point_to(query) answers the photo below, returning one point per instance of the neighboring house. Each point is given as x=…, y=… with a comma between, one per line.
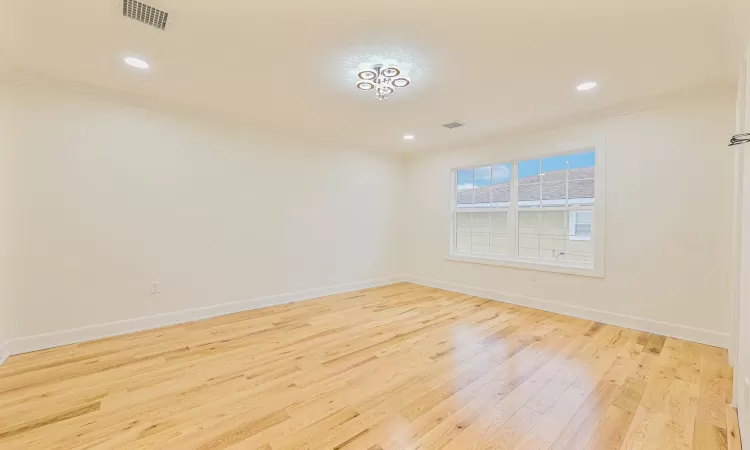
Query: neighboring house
x=554, y=217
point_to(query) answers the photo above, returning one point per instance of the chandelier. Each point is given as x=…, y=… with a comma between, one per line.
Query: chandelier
x=381, y=79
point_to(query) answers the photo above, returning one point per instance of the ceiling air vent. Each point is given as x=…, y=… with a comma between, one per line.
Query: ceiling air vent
x=452, y=125
x=144, y=13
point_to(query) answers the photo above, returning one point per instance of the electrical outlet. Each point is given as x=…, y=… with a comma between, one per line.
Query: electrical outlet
x=155, y=287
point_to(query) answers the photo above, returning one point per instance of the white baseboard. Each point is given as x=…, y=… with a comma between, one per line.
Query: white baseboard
x=744, y=422
x=93, y=332
x=637, y=323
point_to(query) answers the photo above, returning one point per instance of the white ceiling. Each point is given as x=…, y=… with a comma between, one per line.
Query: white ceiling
x=288, y=66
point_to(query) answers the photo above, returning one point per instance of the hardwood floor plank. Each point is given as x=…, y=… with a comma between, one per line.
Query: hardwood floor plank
x=655, y=344
x=394, y=367
x=733, y=431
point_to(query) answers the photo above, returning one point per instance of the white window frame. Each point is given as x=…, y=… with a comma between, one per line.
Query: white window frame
x=513, y=260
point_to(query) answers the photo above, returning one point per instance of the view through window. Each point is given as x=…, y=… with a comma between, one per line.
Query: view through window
x=536, y=210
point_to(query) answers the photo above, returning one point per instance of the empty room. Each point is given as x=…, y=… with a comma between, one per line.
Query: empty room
x=391, y=225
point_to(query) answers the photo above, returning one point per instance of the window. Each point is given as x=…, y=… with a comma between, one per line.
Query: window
x=483, y=199
x=580, y=225
x=535, y=212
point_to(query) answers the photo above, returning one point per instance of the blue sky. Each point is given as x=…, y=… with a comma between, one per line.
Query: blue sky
x=486, y=175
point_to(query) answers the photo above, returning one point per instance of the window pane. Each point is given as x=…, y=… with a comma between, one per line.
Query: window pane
x=582, y=224
x=529, y=168
x=501, y=176
x=464, y=179
x=581, y=192
x=482, y=188
x=501, y=173
x=482, y=176
x=465, y=188
x=480, y=232
x=553, y=193
x=555, y=164
x=529, y=182
x=567, y=180
x=581, y=178
x=582, y=160
x=465, y=199
x=544, y=235
x=554, y=178
x=586, y=217
x=463, y=232
x=583, y=229
x=581, y=246
x=499, y=238
x=552, y=233
x=529, y=225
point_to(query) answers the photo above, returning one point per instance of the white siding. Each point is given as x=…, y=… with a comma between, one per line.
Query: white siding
x=546, y=234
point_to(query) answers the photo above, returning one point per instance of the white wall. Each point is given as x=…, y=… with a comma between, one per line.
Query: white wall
x=741, y=313
x=6, y=133
x=669, y=179
x=109, y=198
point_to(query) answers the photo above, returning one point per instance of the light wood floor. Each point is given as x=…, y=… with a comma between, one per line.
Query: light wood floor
x=397, y=367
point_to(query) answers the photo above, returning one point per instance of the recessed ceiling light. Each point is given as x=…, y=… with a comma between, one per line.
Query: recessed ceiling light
x=409, y=137
x=136, y=62
x=587, y=86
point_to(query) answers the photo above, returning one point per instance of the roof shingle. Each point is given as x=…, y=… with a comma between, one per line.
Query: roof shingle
x=551, y=186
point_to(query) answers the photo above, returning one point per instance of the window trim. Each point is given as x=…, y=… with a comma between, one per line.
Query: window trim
x=598, y=219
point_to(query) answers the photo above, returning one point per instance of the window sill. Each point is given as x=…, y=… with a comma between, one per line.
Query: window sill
x=570, y=270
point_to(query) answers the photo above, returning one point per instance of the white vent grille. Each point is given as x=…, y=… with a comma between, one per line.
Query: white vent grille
x=452, y=125
x=144, y=13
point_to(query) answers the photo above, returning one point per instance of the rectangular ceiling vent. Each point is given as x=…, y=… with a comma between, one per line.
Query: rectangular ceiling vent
x=144, y=13
x=452, y=125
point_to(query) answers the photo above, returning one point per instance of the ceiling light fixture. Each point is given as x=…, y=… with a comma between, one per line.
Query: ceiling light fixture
x=383, y=79
x=409, y=137
x=136, y=62
x=587, y=86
